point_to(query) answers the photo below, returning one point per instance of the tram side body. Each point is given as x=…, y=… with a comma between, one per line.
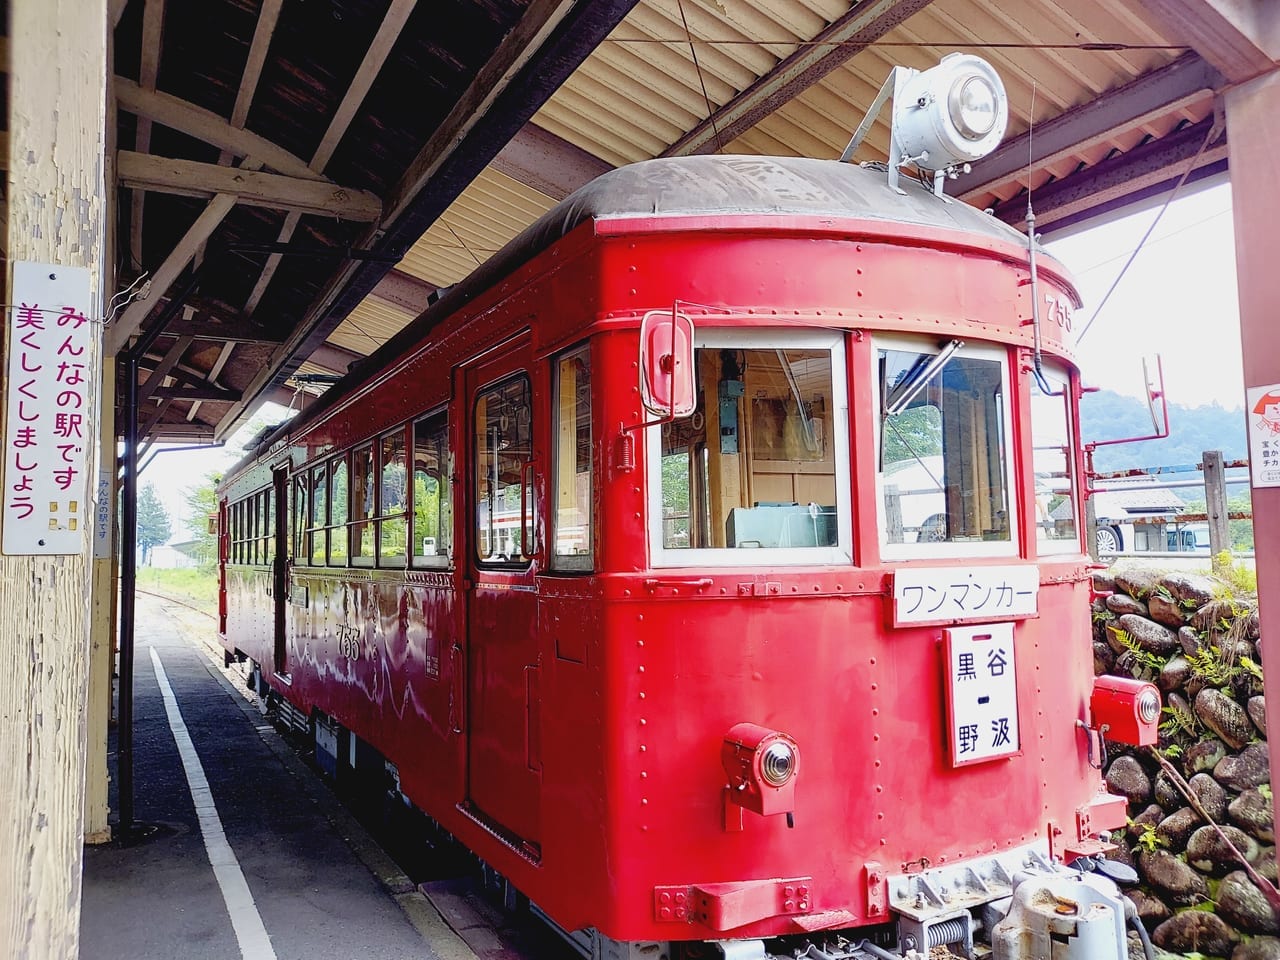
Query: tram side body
x=640, y=673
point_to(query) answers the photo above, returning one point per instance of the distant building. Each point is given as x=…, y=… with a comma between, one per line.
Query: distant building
x=174, y=556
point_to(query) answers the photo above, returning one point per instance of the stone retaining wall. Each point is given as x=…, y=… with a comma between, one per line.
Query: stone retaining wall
x=1189, y=635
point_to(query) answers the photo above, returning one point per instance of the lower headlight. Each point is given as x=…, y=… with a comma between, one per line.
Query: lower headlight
x=1149, y=706
x=778, y=765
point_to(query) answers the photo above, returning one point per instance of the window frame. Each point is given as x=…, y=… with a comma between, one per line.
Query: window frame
x=529, y=513
x=380, y=516
x=768, y=338
x=1045, y=546
x=438, y=561
x=569, y=562
x=948, y=549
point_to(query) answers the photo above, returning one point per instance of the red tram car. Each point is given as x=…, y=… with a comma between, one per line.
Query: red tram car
x=709, y=563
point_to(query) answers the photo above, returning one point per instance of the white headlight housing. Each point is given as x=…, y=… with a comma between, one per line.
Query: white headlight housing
x=951, y=114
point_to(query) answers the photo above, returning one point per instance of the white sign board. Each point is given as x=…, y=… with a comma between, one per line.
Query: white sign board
x=982, y=693
x=1262, y=408
x=51, y=390
x=947, y=594
x=102, y=517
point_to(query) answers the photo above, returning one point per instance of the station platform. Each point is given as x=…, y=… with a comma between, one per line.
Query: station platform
x=265, y=863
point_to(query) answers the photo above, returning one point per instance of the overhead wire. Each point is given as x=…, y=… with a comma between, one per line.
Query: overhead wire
x=693, y=51
x=1213, y=132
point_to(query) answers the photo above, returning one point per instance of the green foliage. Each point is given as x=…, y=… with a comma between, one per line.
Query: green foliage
x=916, y=432
x=1212, y=667
x=202, y=501
x=1148, y=839
x=1144, y=658
x=1107, y=415
x=1236, y=575
x=153, y=521
x=1180, y=724
x=197, y=587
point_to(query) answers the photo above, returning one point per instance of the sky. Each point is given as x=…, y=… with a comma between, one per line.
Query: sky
x=1177, y=299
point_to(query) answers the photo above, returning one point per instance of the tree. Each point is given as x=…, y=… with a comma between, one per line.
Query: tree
x=153, y=521
x=202, y=502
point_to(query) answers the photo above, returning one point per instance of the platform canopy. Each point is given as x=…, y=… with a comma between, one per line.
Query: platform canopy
x=296, y=178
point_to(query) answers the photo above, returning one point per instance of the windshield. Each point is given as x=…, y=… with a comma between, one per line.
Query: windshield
x=943, y=474
x=759, y=472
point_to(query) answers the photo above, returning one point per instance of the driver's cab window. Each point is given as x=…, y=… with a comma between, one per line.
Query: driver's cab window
x=943, y=476
x=759, y=474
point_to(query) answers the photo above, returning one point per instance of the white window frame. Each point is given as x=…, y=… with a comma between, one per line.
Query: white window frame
x=1046, y=546
x=842, y=552
x=964, y=548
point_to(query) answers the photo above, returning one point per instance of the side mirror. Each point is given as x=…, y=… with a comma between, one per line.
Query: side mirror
x=667, y=386
x=1157, y=405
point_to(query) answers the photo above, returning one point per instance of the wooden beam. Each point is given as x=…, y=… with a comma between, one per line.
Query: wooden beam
x=128, y=322
x=208, y=391
x=212, y=330
x=56, y=96
x=149, y=68
x=208, y=126
x=189, y=178
x=541, y=17
x=374, y=58
x=846, y=37
x=184, y=431
x=161, y=369
x=405, y=290
x=334, y=359
x=1241, y=38
x=547, y=163
x=212, y=377
x=1158, y=93
x=265, y=28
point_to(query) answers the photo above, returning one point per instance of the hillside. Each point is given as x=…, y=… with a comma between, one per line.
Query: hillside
x=1108, y=415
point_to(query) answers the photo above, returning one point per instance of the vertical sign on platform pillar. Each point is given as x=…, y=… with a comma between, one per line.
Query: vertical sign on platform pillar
x=45, y=508
x=57, y=80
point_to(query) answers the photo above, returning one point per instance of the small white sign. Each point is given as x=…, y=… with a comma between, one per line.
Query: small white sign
x=102, y=517
x=1262, y=407
x=51, y=393
x=982, y=692
x=946, y=594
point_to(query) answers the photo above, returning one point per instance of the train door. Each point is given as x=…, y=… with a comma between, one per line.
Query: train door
x=224, y=544
x=504, y=766
x=280, y=552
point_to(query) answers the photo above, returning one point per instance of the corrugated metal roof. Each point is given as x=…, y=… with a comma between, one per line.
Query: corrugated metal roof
x=672, y=62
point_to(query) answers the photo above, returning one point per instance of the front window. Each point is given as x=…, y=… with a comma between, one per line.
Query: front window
x=759, y=474
x=1055, y=506
x=943, y=471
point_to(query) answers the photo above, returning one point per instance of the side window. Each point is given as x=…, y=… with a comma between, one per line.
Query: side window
x=393, y=500
x=251, y=547
x=301, y=513
x=319, y=515
x=504, y=493
x=362, y=486
x=338, y=502
x=432, y=533
x=572, y=491
x=1053, y=463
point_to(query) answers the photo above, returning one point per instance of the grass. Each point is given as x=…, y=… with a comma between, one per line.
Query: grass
x=198, y=587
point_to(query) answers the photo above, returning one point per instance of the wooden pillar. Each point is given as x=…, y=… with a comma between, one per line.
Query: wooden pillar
x=57, y=95
x=1253, y=131
x=1215, y=499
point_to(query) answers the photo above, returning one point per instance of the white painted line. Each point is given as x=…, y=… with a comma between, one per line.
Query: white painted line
x=245, y=919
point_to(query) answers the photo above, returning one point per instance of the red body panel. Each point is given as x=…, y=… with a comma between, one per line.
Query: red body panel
x=606, y=697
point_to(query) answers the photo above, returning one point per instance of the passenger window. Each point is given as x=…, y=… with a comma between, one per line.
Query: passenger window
x=1054, y=466
x=432, y=534
x=943, y=470
x=393, y=501
x=301, y=513
x=504, y=492
x=362, y=505
x=319, y=515
x=761, y=468
x=573, y=476
x=268, y=527
x=338, y=503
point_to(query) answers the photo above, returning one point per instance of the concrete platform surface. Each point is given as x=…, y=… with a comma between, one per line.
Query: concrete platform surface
x=296, y=876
